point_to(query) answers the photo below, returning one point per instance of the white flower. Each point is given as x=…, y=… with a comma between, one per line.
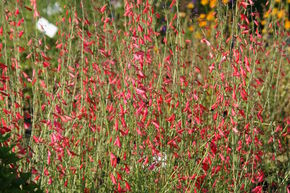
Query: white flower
x=116, y=4
x=47, y=28
x=53, y=9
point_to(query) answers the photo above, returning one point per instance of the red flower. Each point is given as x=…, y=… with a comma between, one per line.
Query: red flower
x=257, y=189
x=117, y=142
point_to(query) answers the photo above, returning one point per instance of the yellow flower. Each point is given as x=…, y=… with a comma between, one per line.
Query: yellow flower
x=213, y=3
x=281, y=14
x=210, y=16
x=197, y=35
x=190, y=5
x=182, y=14
x=156, y=49
x=201, y=19
x=202, y=23
x=204, y=2
x=274, y=11
x=263, y=22
x=264, y=31
x=201, y=16
x=208, y=31
x=225, y=1
x=287, y=25
x=190, y=28
x=277, y=1
x=266, y=14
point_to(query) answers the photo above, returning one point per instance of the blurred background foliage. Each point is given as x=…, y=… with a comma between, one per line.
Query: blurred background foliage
x=196, y=18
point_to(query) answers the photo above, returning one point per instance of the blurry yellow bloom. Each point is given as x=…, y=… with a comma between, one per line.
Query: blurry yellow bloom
x=208, y=33
x=277, y=1
x=190, y=5
x=156, y=49
x=266, y=14
x=274, y=11
x=210, y=16
x=288, y=1
x=190, y=28
x=204, y=2
x=213, y=3
x=263, y=22
x=197, y=35
x=201, y=16
x=225, y=1
x=202, y=23
x=264, y=31
x=281, y=14
x=287, y=24
x=182, y=14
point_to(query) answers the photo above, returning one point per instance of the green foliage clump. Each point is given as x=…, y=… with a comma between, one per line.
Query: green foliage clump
x=11, y=180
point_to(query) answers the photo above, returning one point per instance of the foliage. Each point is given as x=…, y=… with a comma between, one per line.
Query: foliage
x=11, y=180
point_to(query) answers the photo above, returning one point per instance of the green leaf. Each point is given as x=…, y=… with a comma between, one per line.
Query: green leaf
x=9, y=180
x=4, y=138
